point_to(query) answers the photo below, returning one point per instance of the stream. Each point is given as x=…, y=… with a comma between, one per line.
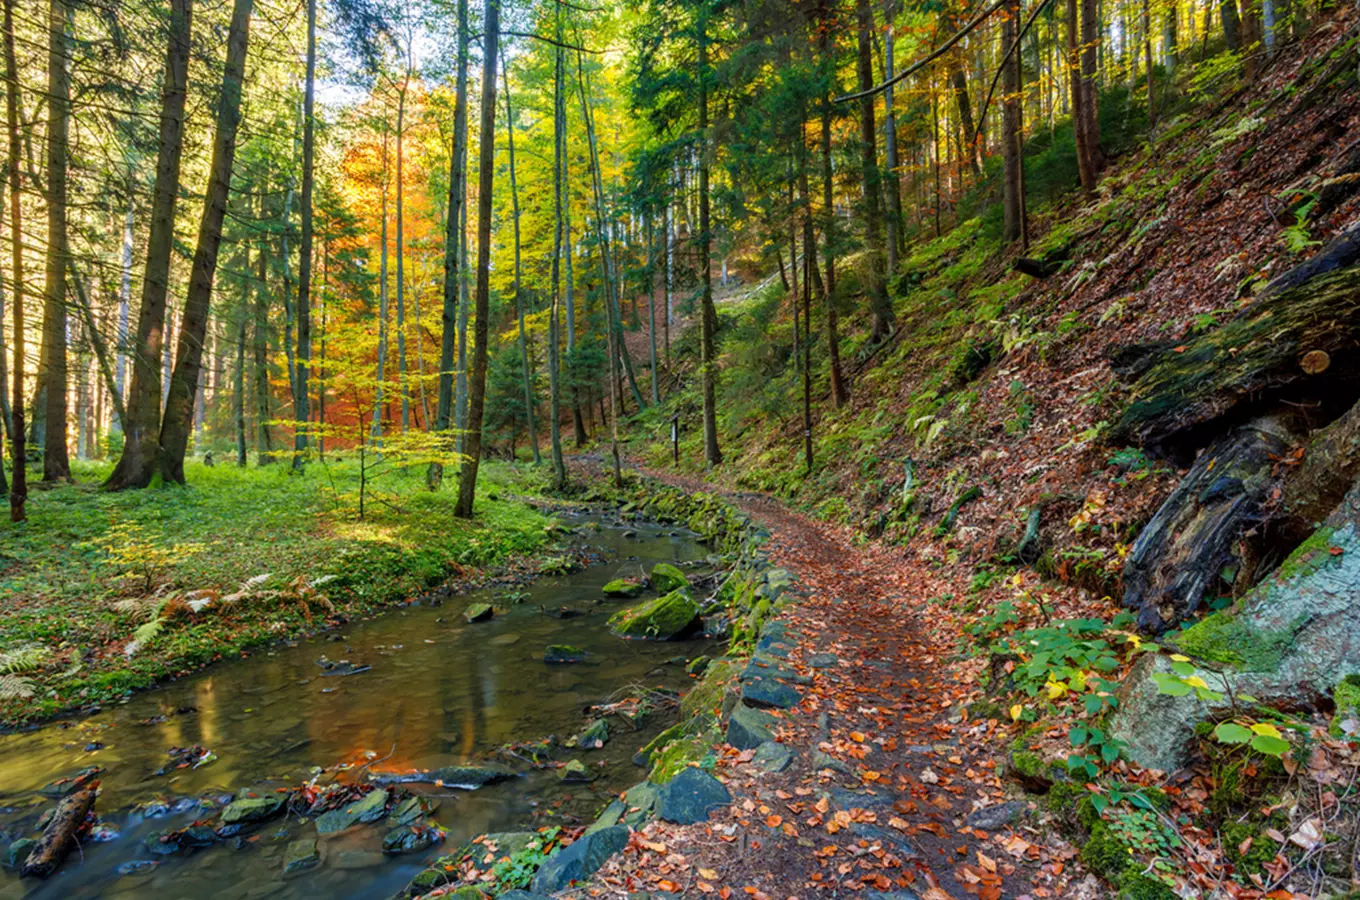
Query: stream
x=440, y=692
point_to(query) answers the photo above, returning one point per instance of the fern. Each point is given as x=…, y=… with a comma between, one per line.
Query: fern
x=23, y=658
x=148, y=632
x=16, y=687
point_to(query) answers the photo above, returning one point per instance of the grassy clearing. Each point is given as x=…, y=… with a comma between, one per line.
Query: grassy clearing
x=272, y=554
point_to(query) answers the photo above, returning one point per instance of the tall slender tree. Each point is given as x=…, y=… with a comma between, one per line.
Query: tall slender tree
x=18, y=489
x=137, y=464
x=56, y=465
x=174, y=439
x=526, y=369
x=302, y=400
x=708, y=317
x=486, y=162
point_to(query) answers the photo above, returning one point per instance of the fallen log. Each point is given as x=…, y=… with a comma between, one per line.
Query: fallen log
x=61, y=834
x=1299, y=342
x=1189, y=552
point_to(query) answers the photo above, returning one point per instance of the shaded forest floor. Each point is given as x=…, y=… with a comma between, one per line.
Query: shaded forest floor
x=108, y=593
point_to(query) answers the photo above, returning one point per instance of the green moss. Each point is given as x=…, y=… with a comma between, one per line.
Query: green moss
x=1260, y=852
x=660, y=619
x=1225, y=638
x=680, y=754
x=1307, y=557
x=667, y=578
x=703, y=701
x=1347, y=699
x=1104, y=854
x=1137, y=886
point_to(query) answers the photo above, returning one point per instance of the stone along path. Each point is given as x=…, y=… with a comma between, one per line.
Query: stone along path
x=877, y=783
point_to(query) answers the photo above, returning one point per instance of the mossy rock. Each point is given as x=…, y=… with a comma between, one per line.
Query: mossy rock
x=478, y=612
x=564, y=653
x=253, y=809
x=675, y=615
x=681, y=754
x=624, y=588
x=667, y=578
x=594, y=737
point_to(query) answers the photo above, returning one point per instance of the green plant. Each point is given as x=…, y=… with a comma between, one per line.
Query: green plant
x=1242, y=729
x=516, y=871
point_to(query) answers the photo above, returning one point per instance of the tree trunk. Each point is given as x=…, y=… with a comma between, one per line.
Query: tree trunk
x=1085, y=162
x=879, y=303
x=707, y=315
x=840, y=389
x=1091, y=46
x=124, y=302
x=554, y=369
x=18, y=489
x=56, y=466
x=894, y=193
x=401, y=255
x=970, y=135
x=194, y=323
x=1232, y=24
x=454, y=245
x=238, y=392
x=264, y=439
x=486, y=162
x=1171, y=38
x=527, y=371
x=137, y=465
x=302, y=402
x=375, y=430
x=1012, y=227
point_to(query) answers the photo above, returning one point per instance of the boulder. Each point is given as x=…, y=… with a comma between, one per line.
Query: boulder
x=369, y=808
x=1289, y=643
x=579, y=860
x=478, y=612
x=769, y=693
x=623, y=588
x=666, y=618
x=748, y=728
x=253, y=809
x=689, y=797
x=667, y=578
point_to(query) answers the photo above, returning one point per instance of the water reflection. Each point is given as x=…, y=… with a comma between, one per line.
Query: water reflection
x=440, y=692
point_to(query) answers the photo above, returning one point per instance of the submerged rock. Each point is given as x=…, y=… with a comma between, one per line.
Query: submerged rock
x=579, y=860
x=301, y=855
x=564, y=653
x=253, y=809
x=412, y=810
x=689, y=797
x=478, y=612
x=667, y=578
x=17, y=853
x=623, y=587
x=466, y=777
x=575, y=772
x=138, y=867
x=411, y=839
x=369, y=808
x=666, y=618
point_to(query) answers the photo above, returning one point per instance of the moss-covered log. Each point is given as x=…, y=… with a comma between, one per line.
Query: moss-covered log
x=1189, y=552
x=1288, y=643
x=1298, y=345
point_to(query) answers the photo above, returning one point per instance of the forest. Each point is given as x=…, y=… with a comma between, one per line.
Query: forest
x=679, y=447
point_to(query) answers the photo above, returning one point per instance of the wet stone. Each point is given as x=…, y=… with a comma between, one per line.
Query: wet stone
x=889, y=839
x=593, y=738
x=368, y=808
x=17, y=853
x=478, y=612
x=563, y=653
x=773, y=757
x=822, y=760
x=575, y=772
x=579, y=860
x=748, y=728
x=843, y=799
x=767, y=693
x=138, y=867
x=823, y=660
x=411, y=839
x=991, y=818
x=689, y=797
x=300, y=856
x=412, y=810
x=253, y=809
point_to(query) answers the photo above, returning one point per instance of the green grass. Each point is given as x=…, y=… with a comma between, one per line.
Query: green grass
x=91, y=568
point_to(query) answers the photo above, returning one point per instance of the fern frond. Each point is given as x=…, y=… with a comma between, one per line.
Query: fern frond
x=16, y=687
x=23, y=658
x=147, y=632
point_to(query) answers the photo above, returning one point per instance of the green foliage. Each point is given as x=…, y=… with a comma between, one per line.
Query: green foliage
x=516, y=871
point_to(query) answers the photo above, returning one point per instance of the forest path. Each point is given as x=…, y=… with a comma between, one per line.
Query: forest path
x=891, y=790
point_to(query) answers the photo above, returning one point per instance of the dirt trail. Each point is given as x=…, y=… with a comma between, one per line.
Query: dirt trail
x=891, y=789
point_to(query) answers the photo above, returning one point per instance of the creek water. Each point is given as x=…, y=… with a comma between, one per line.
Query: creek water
x=439, y=692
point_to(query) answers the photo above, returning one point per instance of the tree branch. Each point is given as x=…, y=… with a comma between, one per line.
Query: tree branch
x=917, y=66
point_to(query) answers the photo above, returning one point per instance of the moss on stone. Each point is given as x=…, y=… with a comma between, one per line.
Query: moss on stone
x=1307, y=557
x=1137, y=886
x=1260, y=851
x=1225, y=638
x=680, y=754
x=667, y=578
x=1104, y=854
x=660, y=619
